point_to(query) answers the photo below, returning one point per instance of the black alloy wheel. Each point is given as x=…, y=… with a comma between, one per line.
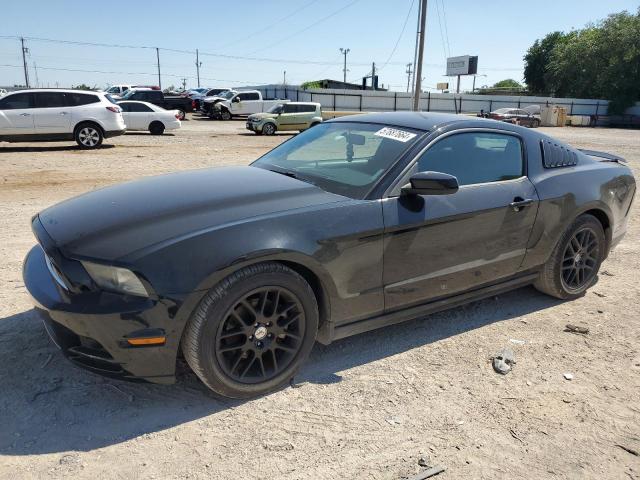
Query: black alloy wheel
x=260, y=335
x=580, y=260
x=573, y=264
x=252, y=331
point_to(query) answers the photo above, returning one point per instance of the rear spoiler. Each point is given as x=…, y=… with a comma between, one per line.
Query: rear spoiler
x=603, y=157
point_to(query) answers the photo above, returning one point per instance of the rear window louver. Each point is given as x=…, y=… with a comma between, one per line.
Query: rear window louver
x=555, y=155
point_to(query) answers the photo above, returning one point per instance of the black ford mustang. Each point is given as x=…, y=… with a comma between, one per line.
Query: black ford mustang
x=358, y=223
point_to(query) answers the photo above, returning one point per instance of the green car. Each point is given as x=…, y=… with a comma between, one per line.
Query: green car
x=285, y=117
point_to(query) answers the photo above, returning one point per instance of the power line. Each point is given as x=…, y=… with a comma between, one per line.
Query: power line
x=446, y=29
x=271, y=45
x=192, y=52
x=137, y=73
x=444, y=45
x=404, y=26
x=268, y=27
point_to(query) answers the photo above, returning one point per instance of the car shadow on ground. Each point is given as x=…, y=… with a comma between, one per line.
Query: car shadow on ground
x=48, y=406
x=148, y=134
x=49, y=148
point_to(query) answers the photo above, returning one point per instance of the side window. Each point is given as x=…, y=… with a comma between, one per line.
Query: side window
x=248, y=96
x=50, y=100
x=288, y=108
x=126, y=107
x=139, y=107
x=78, y=99
x=306, y=108
x=475, y=157
x=17, y=101
x=154, y=96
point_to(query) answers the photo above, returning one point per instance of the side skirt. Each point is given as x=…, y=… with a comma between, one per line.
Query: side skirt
x=361, y=326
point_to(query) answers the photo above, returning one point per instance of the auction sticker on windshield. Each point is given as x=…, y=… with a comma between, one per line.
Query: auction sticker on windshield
x=395, y=134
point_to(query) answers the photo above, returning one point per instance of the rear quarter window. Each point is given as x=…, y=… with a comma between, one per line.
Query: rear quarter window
x=555, y=155
x=79, y=99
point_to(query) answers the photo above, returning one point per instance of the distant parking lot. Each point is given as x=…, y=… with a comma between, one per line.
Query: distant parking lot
x=369, y=406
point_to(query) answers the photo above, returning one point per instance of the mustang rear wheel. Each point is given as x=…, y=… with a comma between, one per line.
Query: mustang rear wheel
x=252, y=332
x=574, y=263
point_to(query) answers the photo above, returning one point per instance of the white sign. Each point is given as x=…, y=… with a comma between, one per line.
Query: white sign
x=460, y=65
x=395, y=134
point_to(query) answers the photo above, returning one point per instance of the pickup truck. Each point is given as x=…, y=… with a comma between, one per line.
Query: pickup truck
x=182, y=104
x=242, y=103
x=198, y=97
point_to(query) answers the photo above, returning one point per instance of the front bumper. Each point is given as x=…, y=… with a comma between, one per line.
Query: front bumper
x=91, y=328
x=254, y=126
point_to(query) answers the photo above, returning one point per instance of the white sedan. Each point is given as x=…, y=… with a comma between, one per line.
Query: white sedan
x=147, y=116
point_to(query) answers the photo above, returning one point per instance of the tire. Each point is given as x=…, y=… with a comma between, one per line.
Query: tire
x=225, y=115
x=156, y=128
x=181, y=114
x=574, y=263
x=237, y=344
x=268, y=129
x=88, y=136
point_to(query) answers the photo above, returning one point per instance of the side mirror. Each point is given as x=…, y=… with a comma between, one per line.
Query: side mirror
x=431, y=183
x=236, y=100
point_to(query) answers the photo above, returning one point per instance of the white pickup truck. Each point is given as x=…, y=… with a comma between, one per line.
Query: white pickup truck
x=240, y=103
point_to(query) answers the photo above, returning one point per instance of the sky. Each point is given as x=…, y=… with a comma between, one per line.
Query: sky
x=301, y=37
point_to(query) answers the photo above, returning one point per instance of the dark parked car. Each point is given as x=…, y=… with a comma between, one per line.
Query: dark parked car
x=515, y=115
x=357, y=223
x=177, y=102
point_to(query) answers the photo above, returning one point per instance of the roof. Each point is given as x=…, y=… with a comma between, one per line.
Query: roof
x=417, y=120
x=58, y=90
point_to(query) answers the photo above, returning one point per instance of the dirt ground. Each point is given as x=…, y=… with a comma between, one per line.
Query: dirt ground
x=367, y=407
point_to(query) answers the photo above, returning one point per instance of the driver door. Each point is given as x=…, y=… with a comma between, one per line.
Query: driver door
x=437, y=246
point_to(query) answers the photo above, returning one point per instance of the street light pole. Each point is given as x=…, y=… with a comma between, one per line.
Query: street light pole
x=408, y=72
x=344, y=51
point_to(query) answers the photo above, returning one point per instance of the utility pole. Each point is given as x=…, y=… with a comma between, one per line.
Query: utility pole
x=418, y=69
x=184, y=84
x=198, y=65
x=24, y=62
x=35, y=69
x=284, y=79
x=344, y=51
x=409, y=72
x=158, y=60
x=373, y=76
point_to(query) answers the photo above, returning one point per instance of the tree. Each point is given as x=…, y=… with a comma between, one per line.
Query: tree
x=536, y=62
x=509, y=83
x=601, y=60
x=83, y=86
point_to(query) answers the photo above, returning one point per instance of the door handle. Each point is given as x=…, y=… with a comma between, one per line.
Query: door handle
x=25, y=114
x=64, y=113
x=519, y=203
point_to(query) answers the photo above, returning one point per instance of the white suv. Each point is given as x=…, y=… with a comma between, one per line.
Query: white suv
x=53, y=115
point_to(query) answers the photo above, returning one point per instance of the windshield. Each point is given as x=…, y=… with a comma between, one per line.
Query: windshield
x=342, y=158
x=128, y=94
x=113, y=90
x=227, y=95
x=277, y=108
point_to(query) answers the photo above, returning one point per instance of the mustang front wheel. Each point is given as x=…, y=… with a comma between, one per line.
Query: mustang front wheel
x=253, y=331
x=575, y=261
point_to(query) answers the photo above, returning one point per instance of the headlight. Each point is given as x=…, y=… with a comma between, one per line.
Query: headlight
x=115, y=279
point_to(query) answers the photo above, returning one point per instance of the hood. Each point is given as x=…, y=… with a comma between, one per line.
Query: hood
x=213, y=99
x=114, y=222
x=262, y=116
